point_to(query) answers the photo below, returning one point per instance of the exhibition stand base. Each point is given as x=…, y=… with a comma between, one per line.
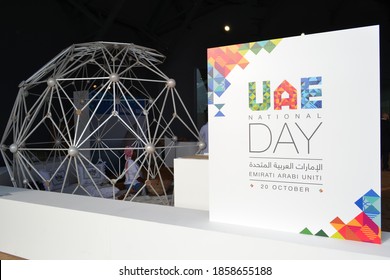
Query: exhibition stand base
x=43, y=225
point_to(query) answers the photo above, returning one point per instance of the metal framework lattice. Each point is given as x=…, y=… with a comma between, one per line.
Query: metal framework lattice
x=73, y=118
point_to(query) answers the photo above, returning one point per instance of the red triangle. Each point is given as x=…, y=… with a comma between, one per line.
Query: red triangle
x=347, y=233
x=338, y=221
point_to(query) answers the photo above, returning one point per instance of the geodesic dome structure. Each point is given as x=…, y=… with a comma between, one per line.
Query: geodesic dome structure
x=73, y=118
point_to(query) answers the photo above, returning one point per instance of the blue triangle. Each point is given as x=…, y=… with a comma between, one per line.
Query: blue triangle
x=219, y=114
x=359, y=203
x=210, y=70
x=371, y=210
x=219, y=79
x=371, y=193
x=210, y=86
x=227, y=84
x=262, y=43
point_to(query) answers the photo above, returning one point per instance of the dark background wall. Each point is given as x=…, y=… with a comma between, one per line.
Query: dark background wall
x=33, y=32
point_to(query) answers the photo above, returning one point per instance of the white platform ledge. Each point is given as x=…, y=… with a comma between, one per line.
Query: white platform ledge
x=44, y=225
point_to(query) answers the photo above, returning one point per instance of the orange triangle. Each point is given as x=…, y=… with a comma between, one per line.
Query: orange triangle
x=354, y=223
x=234, y=48
x=338, y=221
x=338, y=226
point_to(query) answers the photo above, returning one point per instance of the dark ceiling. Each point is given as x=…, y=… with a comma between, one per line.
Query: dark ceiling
x=161, y=24
x=35, y=31
x=157, y=23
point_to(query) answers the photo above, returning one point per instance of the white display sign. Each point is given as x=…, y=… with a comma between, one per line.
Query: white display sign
x=294, y=128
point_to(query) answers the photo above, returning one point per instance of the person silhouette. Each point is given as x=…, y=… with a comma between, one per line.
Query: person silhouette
x=133, y=175
x=204, y=135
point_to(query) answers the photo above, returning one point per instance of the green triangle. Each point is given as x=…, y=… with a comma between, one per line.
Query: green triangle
x=219, y=106
x=306, y=231
x=256, y=48
x=321, y=233
x=377, y=204
x=269, y=46
x=371, y=199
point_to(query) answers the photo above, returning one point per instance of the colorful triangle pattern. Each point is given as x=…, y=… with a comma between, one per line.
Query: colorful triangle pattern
x=219, y=107
x=306, y=231
x=365, y=227
x=222, y=60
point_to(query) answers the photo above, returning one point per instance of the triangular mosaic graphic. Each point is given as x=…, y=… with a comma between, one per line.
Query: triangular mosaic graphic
x=222, y=60
x=365, y=227
x=307, y=92
x=219, y=113
x=321, y=233
x=306, y=231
